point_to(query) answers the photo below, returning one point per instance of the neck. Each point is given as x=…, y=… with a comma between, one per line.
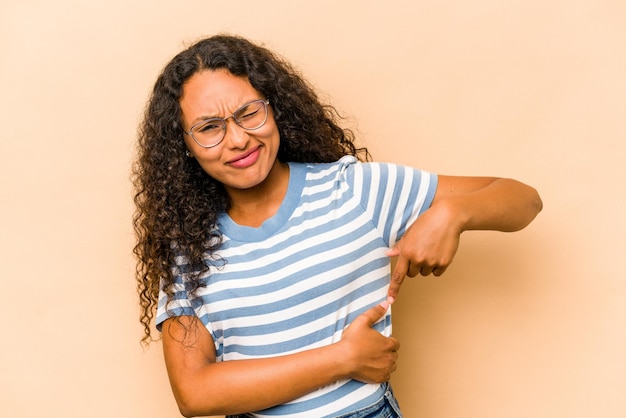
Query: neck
x=252, y=207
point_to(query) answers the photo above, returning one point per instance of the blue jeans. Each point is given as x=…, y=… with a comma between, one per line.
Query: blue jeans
x=385, y=407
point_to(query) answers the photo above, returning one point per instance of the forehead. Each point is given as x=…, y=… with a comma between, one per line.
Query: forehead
x=211, y=93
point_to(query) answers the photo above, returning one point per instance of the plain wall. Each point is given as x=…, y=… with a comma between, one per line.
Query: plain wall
x=530, y=324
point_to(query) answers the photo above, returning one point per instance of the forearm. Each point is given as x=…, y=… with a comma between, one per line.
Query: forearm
x=460, y=204
x=241, y=386
x=203, y=386
x=501, y=205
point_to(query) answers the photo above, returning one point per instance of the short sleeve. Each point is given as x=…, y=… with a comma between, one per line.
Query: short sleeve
x=392, y=195
x=178, y=304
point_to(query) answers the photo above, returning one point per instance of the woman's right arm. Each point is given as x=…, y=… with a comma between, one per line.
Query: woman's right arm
x=203, y=386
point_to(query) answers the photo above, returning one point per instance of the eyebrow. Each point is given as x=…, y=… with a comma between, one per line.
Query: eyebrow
x=205, y=118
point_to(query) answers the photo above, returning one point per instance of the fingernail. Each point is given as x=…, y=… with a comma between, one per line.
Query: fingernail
x=384, y=304
x=391, y=300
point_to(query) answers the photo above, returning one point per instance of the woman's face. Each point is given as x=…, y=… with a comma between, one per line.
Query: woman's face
x=244, y=158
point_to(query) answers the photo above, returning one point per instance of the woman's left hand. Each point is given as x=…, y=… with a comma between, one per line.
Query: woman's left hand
x=428, y=247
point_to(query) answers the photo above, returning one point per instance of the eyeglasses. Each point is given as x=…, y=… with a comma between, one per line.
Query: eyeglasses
x=210, y=132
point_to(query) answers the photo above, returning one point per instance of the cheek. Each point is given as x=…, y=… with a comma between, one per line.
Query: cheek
x=207, y=158
x=270, y=125
x=272, y=133
x=203, y=155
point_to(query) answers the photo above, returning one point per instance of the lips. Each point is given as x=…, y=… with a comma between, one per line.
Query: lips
x=246, y=159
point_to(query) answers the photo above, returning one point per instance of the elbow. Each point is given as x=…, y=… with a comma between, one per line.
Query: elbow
x=528, y=198
x=184, y=412
x=190, y=406
x=186, y=408
x=189, y=410
x=528, y=204
x=537, y=203
x=534, y=205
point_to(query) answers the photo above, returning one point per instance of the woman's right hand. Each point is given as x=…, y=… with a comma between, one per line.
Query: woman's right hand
x=371, y=356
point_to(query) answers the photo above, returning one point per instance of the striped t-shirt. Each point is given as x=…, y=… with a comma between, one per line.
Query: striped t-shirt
x=297, y=281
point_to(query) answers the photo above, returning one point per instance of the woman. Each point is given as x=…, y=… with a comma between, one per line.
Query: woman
x=265, y=242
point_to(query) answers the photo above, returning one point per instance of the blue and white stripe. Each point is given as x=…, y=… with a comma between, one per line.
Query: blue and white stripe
x=300, y=279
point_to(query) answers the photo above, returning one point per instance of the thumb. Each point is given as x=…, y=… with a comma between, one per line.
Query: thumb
x=374, y=314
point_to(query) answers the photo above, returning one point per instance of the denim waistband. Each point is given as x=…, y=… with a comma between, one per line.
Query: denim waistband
x=385, y=407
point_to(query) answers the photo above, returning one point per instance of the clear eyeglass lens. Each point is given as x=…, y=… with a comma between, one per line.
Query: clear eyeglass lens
x=251, y=116
x=209, y=133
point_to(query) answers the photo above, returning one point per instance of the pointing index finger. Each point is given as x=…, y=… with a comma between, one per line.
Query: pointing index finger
x=397, y=277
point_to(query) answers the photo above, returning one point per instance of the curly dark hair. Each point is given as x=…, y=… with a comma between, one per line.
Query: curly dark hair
x=176, y=201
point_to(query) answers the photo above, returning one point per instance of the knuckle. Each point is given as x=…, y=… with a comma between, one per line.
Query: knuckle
x=397, y=278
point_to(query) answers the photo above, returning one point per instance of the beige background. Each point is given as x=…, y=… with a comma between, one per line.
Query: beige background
x=530, y=324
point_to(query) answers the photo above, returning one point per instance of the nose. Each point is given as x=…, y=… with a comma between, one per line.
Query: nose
x=235, y=135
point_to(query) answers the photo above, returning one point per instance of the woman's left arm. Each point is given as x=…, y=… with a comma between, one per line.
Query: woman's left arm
x=460, y=204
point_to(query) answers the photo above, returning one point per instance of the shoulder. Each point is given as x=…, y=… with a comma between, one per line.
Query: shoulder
x=321, y=173
x=339, y=165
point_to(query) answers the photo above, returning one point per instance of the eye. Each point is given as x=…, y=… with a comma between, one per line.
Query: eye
x=248, y=112
x=209, y=126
